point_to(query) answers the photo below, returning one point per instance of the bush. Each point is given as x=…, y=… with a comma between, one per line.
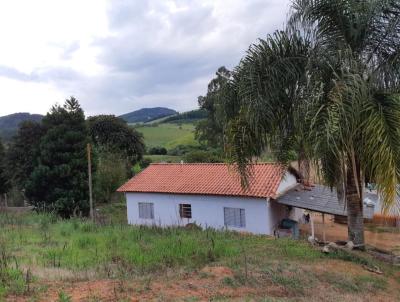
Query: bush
x=110, y=174
x=145, y=162
x=157, y=151
x=200, y=156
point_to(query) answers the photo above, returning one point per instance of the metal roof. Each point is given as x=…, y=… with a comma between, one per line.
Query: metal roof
x=318, y=199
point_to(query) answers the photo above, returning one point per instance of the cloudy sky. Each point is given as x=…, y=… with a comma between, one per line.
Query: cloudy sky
x=117, y=56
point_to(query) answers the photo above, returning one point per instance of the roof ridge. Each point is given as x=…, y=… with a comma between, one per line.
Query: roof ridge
x=211, y=164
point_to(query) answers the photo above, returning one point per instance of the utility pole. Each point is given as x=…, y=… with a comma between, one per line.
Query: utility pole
x=90, y=181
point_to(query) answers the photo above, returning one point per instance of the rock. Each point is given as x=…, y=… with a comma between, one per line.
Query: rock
x=349, y=245
x=333, y=245
x=325, y=249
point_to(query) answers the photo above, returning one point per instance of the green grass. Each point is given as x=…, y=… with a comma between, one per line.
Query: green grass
x=168, y=135
x=363, y=283
x=164, y=158
x=115, y=250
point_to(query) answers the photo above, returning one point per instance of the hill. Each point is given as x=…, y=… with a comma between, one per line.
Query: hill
x=187, y=117
x=9, y=123
x=147, y=114
x=167, y=135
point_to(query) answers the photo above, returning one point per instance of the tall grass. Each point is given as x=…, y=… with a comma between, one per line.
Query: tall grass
x=76, y=244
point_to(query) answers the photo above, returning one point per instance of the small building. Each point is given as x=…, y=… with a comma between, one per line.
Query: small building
x=210, y=195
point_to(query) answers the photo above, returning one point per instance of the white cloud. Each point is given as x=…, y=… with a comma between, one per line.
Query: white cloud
x=120, y=55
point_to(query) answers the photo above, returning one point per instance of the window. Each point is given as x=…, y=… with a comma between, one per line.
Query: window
x=146, y=210
x=185, y=210
x=234, y=217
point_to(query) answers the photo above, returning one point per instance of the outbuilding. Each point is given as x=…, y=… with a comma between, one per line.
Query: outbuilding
x=210, y=195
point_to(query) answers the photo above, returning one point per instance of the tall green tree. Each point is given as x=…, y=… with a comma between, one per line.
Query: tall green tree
x=23, y=153
x=118, y=148
x=327, y=85
x=210, y=130
x=113, y=134
x=59, y=182
x=4, y=184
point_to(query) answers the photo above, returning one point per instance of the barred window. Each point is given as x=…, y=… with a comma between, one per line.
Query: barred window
x=185, y=210
x=234, y=217
x=146, y=210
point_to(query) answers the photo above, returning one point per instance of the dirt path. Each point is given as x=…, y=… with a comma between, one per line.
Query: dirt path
x=335, y=231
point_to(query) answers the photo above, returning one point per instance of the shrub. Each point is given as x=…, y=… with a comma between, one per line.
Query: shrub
x=157, y=151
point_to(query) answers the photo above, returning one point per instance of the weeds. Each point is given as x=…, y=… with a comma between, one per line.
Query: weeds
x=121, y=252
x=63, y=297
x=355, y=284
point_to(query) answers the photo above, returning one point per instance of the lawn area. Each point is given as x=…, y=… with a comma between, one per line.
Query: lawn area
x=168, y=135
x=43, y=258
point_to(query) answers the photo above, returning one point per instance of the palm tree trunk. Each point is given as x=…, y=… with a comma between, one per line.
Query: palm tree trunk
x=355, y=217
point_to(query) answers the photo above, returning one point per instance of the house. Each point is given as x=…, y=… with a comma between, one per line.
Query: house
x=210, y=195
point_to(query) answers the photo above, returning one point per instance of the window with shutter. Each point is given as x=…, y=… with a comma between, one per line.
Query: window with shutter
x=146, y=210
x=235, y=217
x=185, y=210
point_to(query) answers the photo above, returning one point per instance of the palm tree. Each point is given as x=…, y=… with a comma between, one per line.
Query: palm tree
x=327, y=87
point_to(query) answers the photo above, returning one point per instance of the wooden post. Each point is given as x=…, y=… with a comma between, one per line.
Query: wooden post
x=323, y=227
x=90, y=181
x=312, y=226
x=5, y=200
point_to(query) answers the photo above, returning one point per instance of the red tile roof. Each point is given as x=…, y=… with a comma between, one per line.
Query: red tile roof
x=206, y=179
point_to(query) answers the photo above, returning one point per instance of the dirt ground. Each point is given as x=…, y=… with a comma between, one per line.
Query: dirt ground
x=209, y=284
x=335, y=231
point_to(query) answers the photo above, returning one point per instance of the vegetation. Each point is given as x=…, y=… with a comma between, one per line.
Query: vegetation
x=203, y=156
x=3, y=179
x=167, y=135
x=187, y=117
x=328, y=87
x=111, y=172
x=210, y=130
x=157, y=151
x=112, y=134
x=163, y=158
x=145, y=115
x=59, y=181
x=23, y=154
x=77, y=249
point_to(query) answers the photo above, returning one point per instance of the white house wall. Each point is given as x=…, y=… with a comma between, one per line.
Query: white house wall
x=207, y=211
x=262, y=215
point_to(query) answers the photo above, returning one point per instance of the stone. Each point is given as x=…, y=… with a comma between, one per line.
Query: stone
x=349, y=245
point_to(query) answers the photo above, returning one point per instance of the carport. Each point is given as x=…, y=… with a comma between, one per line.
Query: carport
x=323, y=200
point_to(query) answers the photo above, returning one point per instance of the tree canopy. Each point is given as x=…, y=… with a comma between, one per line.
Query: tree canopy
x=3, y=178
x=210, y=130
x=23, y=153
x=328, y=87
x=114, y=134
x=59, y=181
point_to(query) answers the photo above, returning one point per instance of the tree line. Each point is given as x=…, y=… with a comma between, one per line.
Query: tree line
x=46, y=161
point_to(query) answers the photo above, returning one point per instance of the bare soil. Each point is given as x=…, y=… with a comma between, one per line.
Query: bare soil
x=211, y=284
x=389, y=241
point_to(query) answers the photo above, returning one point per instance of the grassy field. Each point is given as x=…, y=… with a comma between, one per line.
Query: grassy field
x=43, y=258
x=168, y=135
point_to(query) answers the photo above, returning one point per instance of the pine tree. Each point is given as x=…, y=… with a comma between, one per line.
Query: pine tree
x=59, y=182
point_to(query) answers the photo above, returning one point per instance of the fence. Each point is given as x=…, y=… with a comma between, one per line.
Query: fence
x=393, y=221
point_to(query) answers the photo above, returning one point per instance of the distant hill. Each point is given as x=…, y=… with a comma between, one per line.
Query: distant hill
x=187, y=117
x=147, y=114
x=9, y=123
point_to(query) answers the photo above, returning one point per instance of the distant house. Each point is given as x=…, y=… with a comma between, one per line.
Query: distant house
x=210, y=195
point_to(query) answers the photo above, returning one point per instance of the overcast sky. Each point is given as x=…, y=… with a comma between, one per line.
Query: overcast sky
x=117, y=56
